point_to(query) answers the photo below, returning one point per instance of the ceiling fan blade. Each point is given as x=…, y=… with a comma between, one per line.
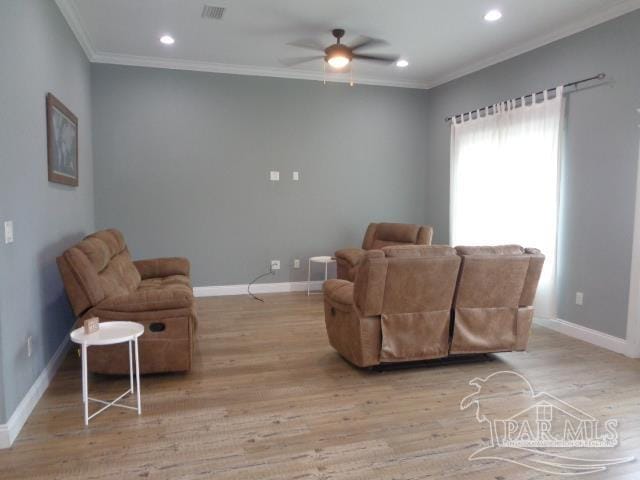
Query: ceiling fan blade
x=291, y=62
x=388, y=59
x=308, y=45
x=366, y=42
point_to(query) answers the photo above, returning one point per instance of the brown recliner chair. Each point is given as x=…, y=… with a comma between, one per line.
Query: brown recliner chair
x=102, y=281
x=403, y=301
x=379, y=235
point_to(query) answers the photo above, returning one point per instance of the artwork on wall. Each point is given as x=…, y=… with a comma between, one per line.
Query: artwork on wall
x=62, y=143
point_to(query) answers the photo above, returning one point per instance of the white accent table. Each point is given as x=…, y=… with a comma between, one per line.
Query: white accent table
x=110, y=333
x=326, y=260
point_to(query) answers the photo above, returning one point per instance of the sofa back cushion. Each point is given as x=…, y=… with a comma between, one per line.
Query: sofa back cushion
x=418, y=295
x=380, y=235
x=534, y=270
x=486, y=302
x=97, y=268
x=419, y=278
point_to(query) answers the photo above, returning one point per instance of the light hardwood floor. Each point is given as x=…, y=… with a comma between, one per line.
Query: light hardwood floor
x=269, y=399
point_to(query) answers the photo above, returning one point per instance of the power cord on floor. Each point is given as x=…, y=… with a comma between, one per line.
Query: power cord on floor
x=270, y=272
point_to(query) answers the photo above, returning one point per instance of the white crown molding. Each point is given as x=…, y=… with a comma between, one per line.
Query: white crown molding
x=594, y=337
x=279, y=287
x=9, y=431
x=178, y=64
x=617, y=10
x=72, y=16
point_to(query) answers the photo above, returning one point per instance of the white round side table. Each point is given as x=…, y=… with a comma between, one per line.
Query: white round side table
x=110, y=333
x=324, y=259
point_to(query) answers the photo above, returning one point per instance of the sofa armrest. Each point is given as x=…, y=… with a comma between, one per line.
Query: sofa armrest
x=147, y=300
x=350, y=255
x=163, y=267
x=339, y=293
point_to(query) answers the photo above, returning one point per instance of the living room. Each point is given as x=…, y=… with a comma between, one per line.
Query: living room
x=337, y=231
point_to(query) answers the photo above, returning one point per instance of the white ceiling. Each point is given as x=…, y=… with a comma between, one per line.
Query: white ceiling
x=442, y=39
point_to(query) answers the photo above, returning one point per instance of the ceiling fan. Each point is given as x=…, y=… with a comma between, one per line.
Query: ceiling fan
x=339, y=55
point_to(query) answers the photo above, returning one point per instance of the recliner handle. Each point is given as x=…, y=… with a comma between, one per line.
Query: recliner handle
x=157, y=327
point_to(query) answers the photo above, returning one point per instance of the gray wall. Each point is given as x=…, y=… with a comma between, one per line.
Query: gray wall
x=38, y=54
x=599, y=172
x=183, y=158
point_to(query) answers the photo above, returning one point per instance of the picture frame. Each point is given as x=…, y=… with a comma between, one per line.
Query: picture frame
x=62, y=143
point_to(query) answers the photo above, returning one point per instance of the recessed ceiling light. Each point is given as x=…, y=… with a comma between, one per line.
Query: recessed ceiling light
x=402, y=63
x=493, y=15
x=167, y=40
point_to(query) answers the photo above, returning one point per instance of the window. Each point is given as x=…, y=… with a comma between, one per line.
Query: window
x=504, y=182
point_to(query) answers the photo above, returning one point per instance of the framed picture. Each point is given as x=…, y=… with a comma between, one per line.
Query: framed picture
x=62, y=143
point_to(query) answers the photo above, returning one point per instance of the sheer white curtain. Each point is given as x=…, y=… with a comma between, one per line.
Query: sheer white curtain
x=504, y=182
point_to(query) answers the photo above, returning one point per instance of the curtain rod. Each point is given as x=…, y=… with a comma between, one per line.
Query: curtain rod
x=599, y=76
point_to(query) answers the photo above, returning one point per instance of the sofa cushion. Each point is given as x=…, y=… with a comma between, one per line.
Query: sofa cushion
x=149, y=299
x=163, y=267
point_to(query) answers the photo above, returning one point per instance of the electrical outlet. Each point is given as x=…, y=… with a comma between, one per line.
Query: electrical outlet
x=296, y=263
x=579, y=298
x=296, y=176
x=275, y=264
x=8, y=231
x=29, y=346
x=274, y=176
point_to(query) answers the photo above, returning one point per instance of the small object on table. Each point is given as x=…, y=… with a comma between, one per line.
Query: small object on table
x=110, y=333
x=91, y=325
x=323, y=259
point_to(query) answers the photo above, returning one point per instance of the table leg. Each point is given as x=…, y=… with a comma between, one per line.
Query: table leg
x=85, y=386
x=138, y=377
x=308, y=276
x=131, y=367
x=326, y=265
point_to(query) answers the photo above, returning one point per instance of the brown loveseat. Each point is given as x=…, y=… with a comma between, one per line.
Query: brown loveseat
x=101, y=280
x=422, y=302
x=380, y=235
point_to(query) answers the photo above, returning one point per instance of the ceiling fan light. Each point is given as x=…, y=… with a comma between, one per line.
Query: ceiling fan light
x=338, y=61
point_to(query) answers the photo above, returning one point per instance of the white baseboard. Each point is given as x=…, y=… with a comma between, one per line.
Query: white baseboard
x=280, y=287
x=9, y=431
x=600, y=339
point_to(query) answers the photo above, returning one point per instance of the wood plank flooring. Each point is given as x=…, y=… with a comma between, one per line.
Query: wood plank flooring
x=269, y=399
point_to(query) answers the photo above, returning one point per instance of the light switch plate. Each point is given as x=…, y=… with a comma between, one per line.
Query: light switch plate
x=275, y=264
x=274, y=176
x=8, y=231
x=296, y=263
x=296, y=176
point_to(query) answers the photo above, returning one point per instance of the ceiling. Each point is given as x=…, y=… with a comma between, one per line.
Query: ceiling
x=442, y=39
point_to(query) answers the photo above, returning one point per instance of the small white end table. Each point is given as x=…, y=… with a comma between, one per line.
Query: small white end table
x=110, y=333
x=324, y=259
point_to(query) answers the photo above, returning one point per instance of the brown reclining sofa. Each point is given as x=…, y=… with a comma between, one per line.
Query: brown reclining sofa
x=102, y=281
x=379, y=235
x=412, y=303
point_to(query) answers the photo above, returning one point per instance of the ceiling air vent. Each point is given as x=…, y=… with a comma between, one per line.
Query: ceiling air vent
x=210, y=11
